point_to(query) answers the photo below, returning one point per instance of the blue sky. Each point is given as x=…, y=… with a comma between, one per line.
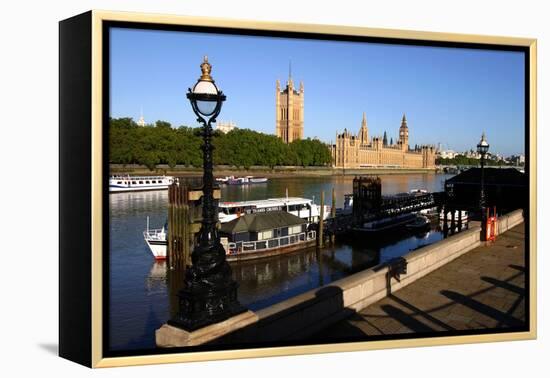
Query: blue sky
x=449, y=95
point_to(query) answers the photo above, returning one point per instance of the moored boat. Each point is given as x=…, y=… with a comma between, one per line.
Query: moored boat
x=245, y=180
x=420, y=223
x=257, y=180
x=385, y=224
x=157, y=241
x=303, y=208
x=139, y=183
x=259, y=235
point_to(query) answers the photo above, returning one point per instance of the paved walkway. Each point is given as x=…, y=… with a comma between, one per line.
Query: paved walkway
x=485, y=288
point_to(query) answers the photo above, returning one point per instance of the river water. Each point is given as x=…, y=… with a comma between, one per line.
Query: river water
x=140, y=299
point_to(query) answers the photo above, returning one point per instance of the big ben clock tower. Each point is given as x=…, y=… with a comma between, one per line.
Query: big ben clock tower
x=404, y=134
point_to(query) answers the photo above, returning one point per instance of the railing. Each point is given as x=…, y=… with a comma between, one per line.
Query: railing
x=261, y=245
x=155, y=234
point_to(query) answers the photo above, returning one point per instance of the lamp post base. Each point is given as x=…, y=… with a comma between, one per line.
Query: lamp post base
x=209, y=294
x=202, y=306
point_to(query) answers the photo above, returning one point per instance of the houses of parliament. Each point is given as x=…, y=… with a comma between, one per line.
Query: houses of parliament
x=360, y=151
x=350, y=150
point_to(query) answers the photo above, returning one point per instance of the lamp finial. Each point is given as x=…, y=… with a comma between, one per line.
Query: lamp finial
x=206, y=68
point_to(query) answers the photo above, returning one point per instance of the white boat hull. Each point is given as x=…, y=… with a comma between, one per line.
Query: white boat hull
x=158, y=249
x=116, y=189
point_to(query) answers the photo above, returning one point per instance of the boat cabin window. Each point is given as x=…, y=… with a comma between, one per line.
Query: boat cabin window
x=154, y=181
x=147, y=182
x=119, y=182
x=263, y=235
x=294, y=230
x=141, y=182
x=133, y=182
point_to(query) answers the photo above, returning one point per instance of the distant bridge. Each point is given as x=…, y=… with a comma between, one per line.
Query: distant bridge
x=461, y=168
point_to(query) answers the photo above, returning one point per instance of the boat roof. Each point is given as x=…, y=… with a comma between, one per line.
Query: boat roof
x=267, y=202
x=257, y=222
x=127, y=177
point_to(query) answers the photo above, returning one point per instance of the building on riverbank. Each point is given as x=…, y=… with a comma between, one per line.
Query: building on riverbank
x=225, y=126
x=360, y=151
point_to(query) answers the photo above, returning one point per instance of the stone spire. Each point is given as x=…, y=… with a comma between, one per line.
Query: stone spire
x=404, y=133
x=364, y=131
x=290, y=82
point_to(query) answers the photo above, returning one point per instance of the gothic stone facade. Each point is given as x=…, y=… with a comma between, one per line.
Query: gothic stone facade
x=360, y=151
x=289, y=109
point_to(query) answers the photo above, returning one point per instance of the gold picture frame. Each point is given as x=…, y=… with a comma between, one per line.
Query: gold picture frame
x=90, y=327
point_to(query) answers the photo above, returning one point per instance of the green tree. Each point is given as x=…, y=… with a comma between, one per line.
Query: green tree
x=163, y=144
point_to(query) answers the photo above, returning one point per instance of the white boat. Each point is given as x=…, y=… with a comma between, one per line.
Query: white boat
x=245, y=180
x=301, y=207
x=257, y=180
x=139, y=183
x=224, y=180
x=157, y=241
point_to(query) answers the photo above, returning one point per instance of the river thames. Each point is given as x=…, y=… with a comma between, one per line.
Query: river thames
x=140, y=297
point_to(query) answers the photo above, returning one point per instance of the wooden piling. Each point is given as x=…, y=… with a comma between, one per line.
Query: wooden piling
x=321, y=221
x=179, y=245
x=333, y=216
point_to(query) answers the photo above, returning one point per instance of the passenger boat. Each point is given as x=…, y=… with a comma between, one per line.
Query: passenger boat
x=420, y=223
x=386, y=224
x=139, y=183
x=246, y=180
x=301, y=207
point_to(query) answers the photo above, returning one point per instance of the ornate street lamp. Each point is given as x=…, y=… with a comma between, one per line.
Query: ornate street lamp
x=209, y=294
x=482, y=149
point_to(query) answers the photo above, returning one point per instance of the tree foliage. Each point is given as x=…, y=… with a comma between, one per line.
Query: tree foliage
x=162, y=144
x=469, y=161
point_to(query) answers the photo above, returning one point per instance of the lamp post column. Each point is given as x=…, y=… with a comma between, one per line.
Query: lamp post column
x=209, y=294
x=482, y=149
